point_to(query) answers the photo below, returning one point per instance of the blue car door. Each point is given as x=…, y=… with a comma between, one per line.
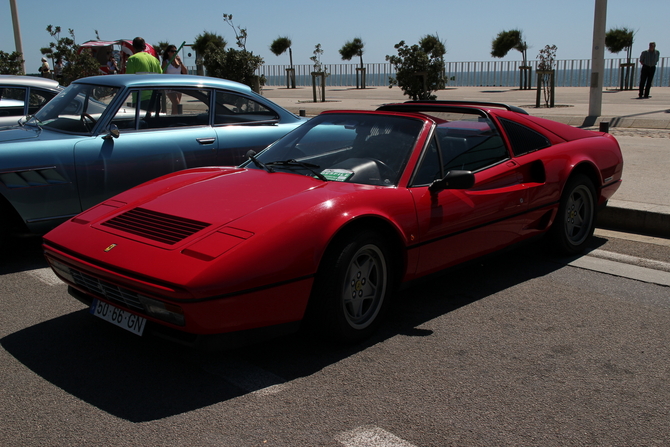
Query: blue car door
x=243, y=124
x=155, y=138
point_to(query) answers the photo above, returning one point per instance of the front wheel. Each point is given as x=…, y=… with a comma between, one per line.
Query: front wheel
x=576, y=217
x=352, y=288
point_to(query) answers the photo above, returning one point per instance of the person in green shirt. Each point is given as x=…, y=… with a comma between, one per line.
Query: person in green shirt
x=142, y=62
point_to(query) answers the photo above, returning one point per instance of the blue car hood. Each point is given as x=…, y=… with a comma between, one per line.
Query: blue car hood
x=17, y=133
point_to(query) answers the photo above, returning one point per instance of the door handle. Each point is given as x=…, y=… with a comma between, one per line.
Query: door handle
x=206, y=140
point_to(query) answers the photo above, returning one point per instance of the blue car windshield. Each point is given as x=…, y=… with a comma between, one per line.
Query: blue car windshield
x=76, y=109
x=371, y=149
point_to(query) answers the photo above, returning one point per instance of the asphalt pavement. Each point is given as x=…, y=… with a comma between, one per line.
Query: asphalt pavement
x=642, y=127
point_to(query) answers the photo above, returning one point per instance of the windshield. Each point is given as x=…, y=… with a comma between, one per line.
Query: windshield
x=76, y=109
x=365, y=148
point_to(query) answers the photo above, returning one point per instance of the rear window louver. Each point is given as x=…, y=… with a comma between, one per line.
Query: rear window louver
x=156, y=226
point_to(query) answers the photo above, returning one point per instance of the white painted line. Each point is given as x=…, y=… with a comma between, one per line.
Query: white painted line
x=633, y=237
x=371, y=437
x=248, y=377
x=623, y=270
x=45, y=275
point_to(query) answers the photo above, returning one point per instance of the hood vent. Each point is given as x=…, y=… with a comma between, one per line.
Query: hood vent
x=155, y=226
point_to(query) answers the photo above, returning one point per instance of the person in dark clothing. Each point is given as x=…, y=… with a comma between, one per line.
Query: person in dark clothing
x=649, y=58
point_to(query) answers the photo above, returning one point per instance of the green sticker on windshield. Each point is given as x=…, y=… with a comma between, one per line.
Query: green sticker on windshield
x=337, y=175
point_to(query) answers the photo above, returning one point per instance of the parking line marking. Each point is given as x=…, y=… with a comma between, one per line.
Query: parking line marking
x=45, y=275
x=368, y=436
x=623, y=270
x=627, y=259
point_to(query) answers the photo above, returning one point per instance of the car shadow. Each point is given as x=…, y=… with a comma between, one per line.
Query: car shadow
x=21, y=253
x=146, y=379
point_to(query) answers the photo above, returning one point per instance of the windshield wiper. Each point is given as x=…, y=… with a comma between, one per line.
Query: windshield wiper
x=299, y=164
x=252, y=156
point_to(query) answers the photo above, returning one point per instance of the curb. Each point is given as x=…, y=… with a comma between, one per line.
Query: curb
x=611, y=121
x=639, y=221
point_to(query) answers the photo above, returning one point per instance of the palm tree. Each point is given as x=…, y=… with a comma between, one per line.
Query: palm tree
x=279, y=47
x=204, y=44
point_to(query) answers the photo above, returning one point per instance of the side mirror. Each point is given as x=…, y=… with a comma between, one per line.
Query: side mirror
x=113, y=132
x=454, y=180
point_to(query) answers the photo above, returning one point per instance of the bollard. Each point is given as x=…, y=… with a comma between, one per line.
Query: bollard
x=604, y=126
x=301, y=112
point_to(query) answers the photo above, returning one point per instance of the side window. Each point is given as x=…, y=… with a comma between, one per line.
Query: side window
x=231, y=108
x=38, y=98
x=125, y=116
x=12, y=101
x=429, y=168
x=470, y=145
x=523, y=139
x=163, y=109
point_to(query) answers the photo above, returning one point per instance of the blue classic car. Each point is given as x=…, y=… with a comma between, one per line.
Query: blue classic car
x=105, y=134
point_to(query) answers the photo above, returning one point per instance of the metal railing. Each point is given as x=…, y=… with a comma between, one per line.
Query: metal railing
x=569, y=73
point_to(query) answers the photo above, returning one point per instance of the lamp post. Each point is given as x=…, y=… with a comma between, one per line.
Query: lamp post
x=598, y=59
x=17, y=33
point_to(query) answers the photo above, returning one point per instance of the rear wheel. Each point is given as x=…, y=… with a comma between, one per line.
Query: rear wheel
x=353, y=288
x=576, y=217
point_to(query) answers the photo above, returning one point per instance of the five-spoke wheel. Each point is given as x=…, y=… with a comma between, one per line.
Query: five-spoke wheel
x=576, y=217
x=352, y=287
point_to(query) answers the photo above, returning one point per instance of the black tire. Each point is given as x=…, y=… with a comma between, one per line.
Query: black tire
x=352, y=288
x=576, y=218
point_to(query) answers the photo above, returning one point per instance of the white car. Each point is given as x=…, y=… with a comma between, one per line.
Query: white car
x=24, y=95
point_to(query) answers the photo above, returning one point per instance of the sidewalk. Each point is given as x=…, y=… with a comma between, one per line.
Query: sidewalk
x=642, y=127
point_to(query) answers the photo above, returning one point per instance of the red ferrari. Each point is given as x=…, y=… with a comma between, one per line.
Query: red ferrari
x=324, y=225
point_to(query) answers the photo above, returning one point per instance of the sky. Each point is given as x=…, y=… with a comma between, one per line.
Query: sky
x=466, y=27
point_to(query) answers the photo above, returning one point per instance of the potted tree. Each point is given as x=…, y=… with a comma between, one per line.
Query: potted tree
x=545, y=75
x=513, y=39
x=319, y=74
x=351, y=49
x=279, y=47
x=617, y=40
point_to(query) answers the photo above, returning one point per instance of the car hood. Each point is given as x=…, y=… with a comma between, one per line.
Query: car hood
x=203, y=199
x=17, y=133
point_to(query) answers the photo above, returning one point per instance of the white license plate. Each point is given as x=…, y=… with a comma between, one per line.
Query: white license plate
x=119, y=317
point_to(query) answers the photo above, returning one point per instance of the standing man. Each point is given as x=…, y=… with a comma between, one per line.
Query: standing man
x=648, y=59
x=142, y=62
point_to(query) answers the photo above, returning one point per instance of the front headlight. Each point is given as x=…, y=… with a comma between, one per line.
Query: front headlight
x=163, y=311
x=61, y=270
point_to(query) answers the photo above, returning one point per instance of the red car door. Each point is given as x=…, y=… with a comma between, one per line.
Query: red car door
x=459, y=224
